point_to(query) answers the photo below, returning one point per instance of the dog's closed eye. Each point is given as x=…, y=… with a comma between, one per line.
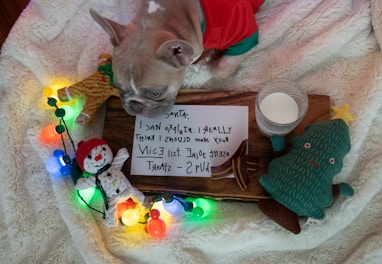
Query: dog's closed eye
x=155, y=93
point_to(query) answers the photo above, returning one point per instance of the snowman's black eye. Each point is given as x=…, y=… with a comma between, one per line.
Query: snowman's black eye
x=108, y=175
x=89, y=156
x=104, y=149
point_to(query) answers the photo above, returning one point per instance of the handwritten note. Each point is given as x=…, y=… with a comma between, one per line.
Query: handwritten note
x=188, y=140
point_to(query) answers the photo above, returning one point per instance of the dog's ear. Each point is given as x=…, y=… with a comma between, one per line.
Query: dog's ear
x=176, y=52
x=117, y=32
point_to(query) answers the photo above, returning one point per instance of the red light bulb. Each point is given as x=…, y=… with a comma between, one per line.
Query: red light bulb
x=156, y=228
x=154, y=213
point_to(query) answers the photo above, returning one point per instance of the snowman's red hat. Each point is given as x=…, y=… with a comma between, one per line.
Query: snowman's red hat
x=84, y=148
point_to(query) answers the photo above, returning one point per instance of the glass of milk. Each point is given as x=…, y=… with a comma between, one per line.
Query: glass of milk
x=280, y=105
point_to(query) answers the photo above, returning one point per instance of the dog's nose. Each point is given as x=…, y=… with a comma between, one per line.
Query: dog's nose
x=137, y=107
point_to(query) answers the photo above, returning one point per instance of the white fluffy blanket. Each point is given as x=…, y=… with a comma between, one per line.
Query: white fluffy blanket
x=330, y=47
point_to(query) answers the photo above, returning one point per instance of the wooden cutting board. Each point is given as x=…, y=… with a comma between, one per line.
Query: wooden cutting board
x=119, y=132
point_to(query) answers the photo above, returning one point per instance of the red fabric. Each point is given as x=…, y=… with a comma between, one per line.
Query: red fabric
x=228, y=21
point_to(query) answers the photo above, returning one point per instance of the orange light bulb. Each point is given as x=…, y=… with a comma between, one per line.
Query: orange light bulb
x=49, y=135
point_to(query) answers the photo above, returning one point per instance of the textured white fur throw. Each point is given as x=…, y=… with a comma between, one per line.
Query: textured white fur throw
x=329, y=47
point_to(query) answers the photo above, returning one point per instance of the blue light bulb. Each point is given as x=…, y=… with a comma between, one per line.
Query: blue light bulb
x=58, y=153
x=174, y=207
x=53, y=166
x=56, y=165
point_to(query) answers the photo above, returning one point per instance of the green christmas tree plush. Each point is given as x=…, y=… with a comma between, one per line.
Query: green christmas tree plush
x=300, y=182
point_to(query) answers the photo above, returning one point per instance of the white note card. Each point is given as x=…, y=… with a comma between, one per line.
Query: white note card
x=188, y=140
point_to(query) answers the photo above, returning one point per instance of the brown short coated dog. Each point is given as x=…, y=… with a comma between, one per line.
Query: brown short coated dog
x=151, y=52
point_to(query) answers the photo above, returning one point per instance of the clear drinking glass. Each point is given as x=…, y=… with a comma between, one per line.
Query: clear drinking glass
x=280, y=106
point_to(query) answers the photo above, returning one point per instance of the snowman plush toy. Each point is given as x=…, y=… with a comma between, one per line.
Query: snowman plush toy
x=96, y=157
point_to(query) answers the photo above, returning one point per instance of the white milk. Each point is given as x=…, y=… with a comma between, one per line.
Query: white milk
x=279, y=108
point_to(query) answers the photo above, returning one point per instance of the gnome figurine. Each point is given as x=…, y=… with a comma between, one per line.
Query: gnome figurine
x=95, y=157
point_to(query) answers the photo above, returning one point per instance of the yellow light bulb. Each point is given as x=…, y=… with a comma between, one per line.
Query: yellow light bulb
x=130, y=217
x=55, y=84
x=47, y=92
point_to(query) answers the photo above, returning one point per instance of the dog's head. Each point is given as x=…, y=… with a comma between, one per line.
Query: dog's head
x=148, y=66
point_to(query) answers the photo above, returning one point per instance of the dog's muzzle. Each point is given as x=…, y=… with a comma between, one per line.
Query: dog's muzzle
x=135, y=105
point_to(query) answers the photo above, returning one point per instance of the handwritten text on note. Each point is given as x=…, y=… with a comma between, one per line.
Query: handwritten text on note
x=188, y=140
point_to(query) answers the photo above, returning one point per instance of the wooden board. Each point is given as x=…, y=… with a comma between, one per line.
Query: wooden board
x=119, y=132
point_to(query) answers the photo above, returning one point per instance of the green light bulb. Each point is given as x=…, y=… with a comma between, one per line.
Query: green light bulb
x=86, y=194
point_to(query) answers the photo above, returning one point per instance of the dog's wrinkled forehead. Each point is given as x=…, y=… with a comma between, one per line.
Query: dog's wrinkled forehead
x=129, y=61
x=135, y=69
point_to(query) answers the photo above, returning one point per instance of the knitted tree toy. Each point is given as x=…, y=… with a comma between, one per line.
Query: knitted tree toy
x=95, y=157
x=300, y=182
x=95, y=89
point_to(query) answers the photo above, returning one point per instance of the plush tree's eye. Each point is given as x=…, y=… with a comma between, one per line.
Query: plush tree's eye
x=332, y=161
x=307, y=145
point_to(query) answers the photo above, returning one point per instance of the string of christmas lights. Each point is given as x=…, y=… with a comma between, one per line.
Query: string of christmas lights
x=156, y=218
